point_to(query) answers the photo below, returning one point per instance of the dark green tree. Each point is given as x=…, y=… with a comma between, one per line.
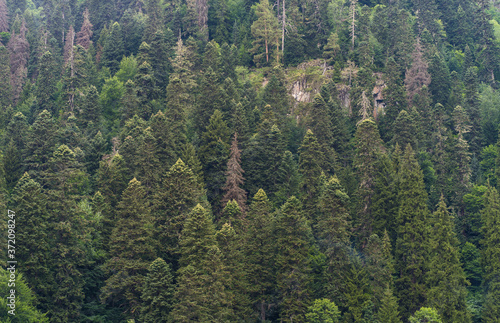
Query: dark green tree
x=157, y=293
x=113, y=50
x=293, y=236
x=46, y=84
x=131, y=251
x=446, y=278
x=412, y=243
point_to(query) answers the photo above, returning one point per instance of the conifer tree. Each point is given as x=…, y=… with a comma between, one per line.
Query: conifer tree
x=83, y=37
x=113, y=49
x=234, y=177
x=411, y=252
x=176, y=112
x=34, y=250
x=214, y=153
x=157, y=293
x=131, y=250
x=266, y=33
x=230, y=243
x=471, y=105
x=417, y=76
x=90, y=110
x=462, y=156
x=321, y=125
x=259, y=255
x=112, y=178
x=178, y=192
x=166, y=151
x=46, y=83
x=288, y=177
x=310, y=166
x=201, y=292
x=369, y=151
x=323, y=311
x=388, y=311
x=490, y=255
x=19, y=53
x=6, y=89
x=148, y=170
x=404, y=130
x=210, y=99
x=446, y=277
x=188, y=154
x=4, y=17
x=425, y=315
x=293, y=236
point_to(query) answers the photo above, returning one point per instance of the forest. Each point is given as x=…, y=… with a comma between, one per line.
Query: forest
x=302, y=161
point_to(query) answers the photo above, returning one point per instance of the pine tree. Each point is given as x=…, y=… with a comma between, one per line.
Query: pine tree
x=178, y=192
x=259, y=255
x=265, y=30
x=234, y=177
x=411, y=250
x=201, y=294
x=446, y=277
x=490, y=254
x=131, y=250
x=293, y=236
x=157, y=293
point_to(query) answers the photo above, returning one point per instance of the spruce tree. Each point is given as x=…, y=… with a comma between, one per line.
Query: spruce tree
x=369, y=150
x=46, y=83
x=178, y=192
x=446, y=278
x=311, y=161
x=234, y=177
x=83, y=37
x=6, y=90
x=113, y=49
x=321, y=125
x=388, y=311
x=412, y=241
x=201, y=292
x=490, y=255
x=259, y=255
x=131, y=251
x=293, y=236
x=157, y=293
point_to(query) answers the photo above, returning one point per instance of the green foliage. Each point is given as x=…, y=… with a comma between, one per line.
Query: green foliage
x=323, y=311
x=425, y=314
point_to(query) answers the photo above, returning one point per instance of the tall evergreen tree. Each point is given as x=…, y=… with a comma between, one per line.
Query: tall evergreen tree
x=131, y=251
x=259, y=255
x=46, y=83
x=293, y=236
x=113, y=49
x=6, y=90
x=412, y=242
x=157, y=293
x=490, y=255
x=201, y=294
x=234, y=177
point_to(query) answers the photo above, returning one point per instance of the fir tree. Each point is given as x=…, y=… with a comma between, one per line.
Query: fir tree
x=46, y=83
x=234, y=177
x=6, y=90
x=201, y=294
x=490, y=255
x=388, y=311
x=293, y=236
x=259, y=255
x=321, y=126
x=157, y=293
x=19, y=54
x=411, y=250
x=417, y=76
x=130, y=249
x=369, y=150
x=310, y=167
x=446, y=277
x=113, y=49
x=84, y=36
x=4, y=18
x=178, y=192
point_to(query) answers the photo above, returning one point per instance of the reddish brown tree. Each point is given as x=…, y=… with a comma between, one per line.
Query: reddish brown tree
x=85, y=34
x=4, y=17
x=19, y=54
x=234, y=178
x=417, y=76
